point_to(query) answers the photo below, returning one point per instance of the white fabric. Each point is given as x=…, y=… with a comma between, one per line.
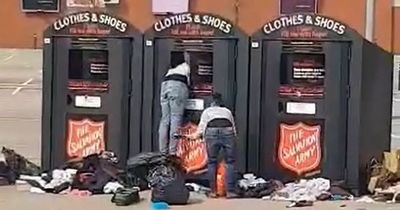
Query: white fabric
x=249, y=180
x=36, y=190
x=60, y=177
x=215, y=112
x=112, y=187
x=365, y=199
x=181, y=69
x=304, y=190
x=3, y=158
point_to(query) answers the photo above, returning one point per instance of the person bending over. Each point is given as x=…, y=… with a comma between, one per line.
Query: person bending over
x=217, y=126
x=173, y=97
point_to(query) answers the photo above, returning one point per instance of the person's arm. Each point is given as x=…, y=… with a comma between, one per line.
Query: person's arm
x=232, y=119
x=201, y=127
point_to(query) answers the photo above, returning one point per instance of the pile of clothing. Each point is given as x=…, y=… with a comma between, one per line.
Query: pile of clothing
x=94, y=174
x=12, y=165
x=311, y=190
x=253, y=187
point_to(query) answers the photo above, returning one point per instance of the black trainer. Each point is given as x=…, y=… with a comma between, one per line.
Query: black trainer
x=126, y=197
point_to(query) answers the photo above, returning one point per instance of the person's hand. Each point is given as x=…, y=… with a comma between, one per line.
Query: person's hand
x=192, y=136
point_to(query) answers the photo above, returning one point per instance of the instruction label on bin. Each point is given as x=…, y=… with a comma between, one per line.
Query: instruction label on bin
x=88, y=101
x=300, y=108
x=299, y=147
x=85, y=137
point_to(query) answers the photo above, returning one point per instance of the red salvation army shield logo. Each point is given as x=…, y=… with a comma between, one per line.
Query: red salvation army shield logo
x=85, y=137
x=299, y=147
x=193, y=153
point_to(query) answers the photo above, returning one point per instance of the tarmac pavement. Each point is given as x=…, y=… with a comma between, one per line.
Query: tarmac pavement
x=20, y=111
x=10, y=199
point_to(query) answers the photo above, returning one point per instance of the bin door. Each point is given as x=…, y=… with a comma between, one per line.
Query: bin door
x=91, y=97
x=224, y=66
x=336, y=106
x=296, y=101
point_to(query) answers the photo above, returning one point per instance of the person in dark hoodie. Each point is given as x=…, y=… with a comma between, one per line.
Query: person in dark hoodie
x=173, y=97
x=217, y=126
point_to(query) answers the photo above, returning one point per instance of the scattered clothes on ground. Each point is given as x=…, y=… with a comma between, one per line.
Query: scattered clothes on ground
x=91, y=173
x=95, y=173
x=80, y=193
x=193, y=187
x=112, y=187
x=304, y=190
x=300, y=204
x=365, y=199
x=60, y=181
x=36, y=190
x=19, y=164
x=253, y=187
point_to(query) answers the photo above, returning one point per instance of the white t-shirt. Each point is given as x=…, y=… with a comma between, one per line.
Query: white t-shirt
x=181, y=69
x=215, y=112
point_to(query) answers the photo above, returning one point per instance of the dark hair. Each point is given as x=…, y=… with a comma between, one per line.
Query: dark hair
x=178, y=58
x=217, y=99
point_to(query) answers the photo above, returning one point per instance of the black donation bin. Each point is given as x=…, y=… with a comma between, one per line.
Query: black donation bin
x=218, y=61
x=92, y=65
x=320, y=100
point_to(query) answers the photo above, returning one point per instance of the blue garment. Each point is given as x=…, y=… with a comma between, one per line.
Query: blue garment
x=218, y=139
x=174, y=95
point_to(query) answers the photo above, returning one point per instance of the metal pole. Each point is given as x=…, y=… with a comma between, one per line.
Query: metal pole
x=369, y=20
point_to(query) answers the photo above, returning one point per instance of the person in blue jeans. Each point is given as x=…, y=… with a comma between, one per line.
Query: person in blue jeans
x=173, y=96
x=217, y=126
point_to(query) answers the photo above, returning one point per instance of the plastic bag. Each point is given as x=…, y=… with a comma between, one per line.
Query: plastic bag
x=168, y=185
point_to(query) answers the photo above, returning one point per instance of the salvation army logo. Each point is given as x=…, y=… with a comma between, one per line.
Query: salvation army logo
x=85, y=137
x=193, y=153
x=299, y=147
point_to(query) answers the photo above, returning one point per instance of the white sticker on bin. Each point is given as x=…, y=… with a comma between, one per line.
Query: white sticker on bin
x=195, y=104
x=88, y=101
x=300, y=108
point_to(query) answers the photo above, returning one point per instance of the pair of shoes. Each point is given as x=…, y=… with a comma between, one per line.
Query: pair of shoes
x=231, y=195
x=126, y=197
x=212, y=195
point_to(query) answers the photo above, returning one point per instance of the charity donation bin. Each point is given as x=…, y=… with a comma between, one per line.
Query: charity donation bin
x=320, y=100
x=218, y=53
x=92, y=64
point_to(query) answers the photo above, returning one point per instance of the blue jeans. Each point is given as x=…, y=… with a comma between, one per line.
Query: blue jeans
x=174, y=95
x=218, y=139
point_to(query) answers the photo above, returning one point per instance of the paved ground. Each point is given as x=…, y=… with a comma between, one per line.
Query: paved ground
x=20, y=107
x=10, y=199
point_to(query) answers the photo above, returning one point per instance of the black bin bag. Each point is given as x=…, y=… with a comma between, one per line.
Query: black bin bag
x=168, y=185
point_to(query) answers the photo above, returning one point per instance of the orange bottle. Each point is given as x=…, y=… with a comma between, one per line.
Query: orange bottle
x=221, y=179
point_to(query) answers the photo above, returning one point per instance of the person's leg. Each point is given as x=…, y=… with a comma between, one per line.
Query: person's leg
x=229, y=156
x=163, y=130
x=213, y=147
x=177, y=105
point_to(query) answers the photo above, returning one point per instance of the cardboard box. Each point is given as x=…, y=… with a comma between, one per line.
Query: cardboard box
x=392, y=161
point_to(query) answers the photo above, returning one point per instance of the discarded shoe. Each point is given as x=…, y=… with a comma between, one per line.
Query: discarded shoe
x=126, y=197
